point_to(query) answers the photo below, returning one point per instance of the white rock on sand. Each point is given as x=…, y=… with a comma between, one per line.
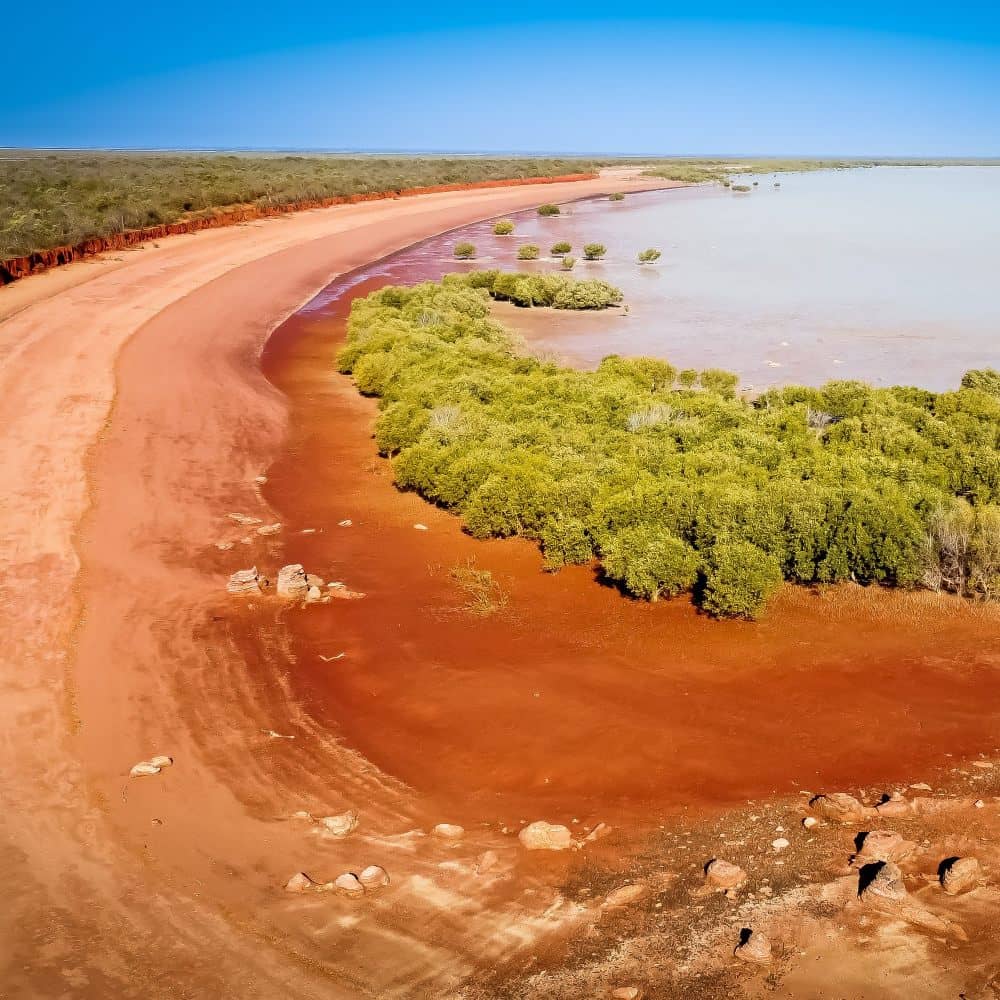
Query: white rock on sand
x=299, y=882
x=839, y=807
x=542, y=836
x=374, y=877
x=627, y=993
x=724, y=875
x=883, y=845
x=755, y=947
x=961, y=875
x=149, y=767
x=292, y=581
x=488, y=860
x=244, y=581
x=887, y=884
x=245, y=519
x=348, y=884
x=340, y=826
x=269, y=529
x=448, y=831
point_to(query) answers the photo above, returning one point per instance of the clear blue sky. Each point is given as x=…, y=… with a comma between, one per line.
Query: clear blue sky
x=754, y=77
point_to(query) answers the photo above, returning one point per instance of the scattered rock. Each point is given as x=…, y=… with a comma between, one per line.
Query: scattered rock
x=261, y=480
x=244, y=581
x=343, y=593
x=245, y=519
x=922, y=786
x=346, y=523
x=960, y=875
x=881, y=880
x=144, y=768
x=348, y=884
x=374, y=877
x=299, y=882
x=314, y=594
x=625, y=895
x=161, y=761
x=882, y=845
x=780, y=844
x=488, y=860
x=420, y=527
x=292, y=581
x=809, y=822
x=627, y=993
x=223, y=546
x=753, y=947
x=448, y=831
x=724, y=875
x=542, y=836
x=340, y=826
x=601, y=830
x=984, y=764
x=838, y=807
x=896, y=806
x=269, y=529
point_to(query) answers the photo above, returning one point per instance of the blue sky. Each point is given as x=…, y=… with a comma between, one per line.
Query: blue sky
x=755, y=77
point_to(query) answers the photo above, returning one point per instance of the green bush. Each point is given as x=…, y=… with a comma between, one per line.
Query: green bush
x=983, y=379
x=503, y=228
x=594, y=251
x=548, y=210
x=560, y=249
x=741, y=188
x=650, y=562
x=665, y=474
x=739, y=580
x=617, y=196
x=528, y=252
x=465, y=251
x=568, y=263
x=650, y=256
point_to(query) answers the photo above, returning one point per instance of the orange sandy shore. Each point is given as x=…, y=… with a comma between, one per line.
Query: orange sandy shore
x=135, y=416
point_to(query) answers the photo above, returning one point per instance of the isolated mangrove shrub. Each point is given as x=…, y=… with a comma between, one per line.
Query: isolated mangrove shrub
x=560, y=249
x=672, y=480
x=528, y=252
x=650, y=256
x=568, y=263
x=741, y=188
x=503, y=228
x=594, y=251
x=739, y=579
x=650, y=562
x=465, y=251
x=616, y=196
x=548, y=210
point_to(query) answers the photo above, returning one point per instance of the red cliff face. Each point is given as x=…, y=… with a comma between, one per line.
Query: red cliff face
x=40, y=260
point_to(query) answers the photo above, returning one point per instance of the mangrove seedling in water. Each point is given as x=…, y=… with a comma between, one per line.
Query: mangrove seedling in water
x=503, y=228
x=617, y=196
x=649, y=256
x=560, y=249
x=594, y=251
x=465, y=251
x=548, y=209
x=528, y=252
x=568, y=263
x=741, y=188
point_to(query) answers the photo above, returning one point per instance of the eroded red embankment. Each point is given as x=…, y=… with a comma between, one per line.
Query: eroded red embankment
x=571, y=700
x=41, y=260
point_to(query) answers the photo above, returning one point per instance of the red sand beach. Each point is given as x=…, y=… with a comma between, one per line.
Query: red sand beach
x=137, y=417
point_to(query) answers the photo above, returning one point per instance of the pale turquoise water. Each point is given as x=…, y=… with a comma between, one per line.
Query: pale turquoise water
x=890, y=275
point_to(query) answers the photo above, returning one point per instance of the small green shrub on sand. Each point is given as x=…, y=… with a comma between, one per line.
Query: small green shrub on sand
x=548, y=210
x=594, y=251
x=649, y=256
x=528, y=252
x=465, y=251
x=560, y=249
x=617, y=196
x=739, y=580
x=568, y=263
x=503, y=228
x=650, y=563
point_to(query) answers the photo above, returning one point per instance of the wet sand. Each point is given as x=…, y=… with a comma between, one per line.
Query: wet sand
x=136, y=418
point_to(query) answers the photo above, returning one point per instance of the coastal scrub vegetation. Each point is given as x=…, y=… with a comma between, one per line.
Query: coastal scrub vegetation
x=465, y=251
x=52, y=199
x=528, y=252
x=672, y=481
x=549, y=209
x=650, y=256
x=503, y=228
x=560, y=249
x=594, y=251
x=568, y=263
x=553, y=290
